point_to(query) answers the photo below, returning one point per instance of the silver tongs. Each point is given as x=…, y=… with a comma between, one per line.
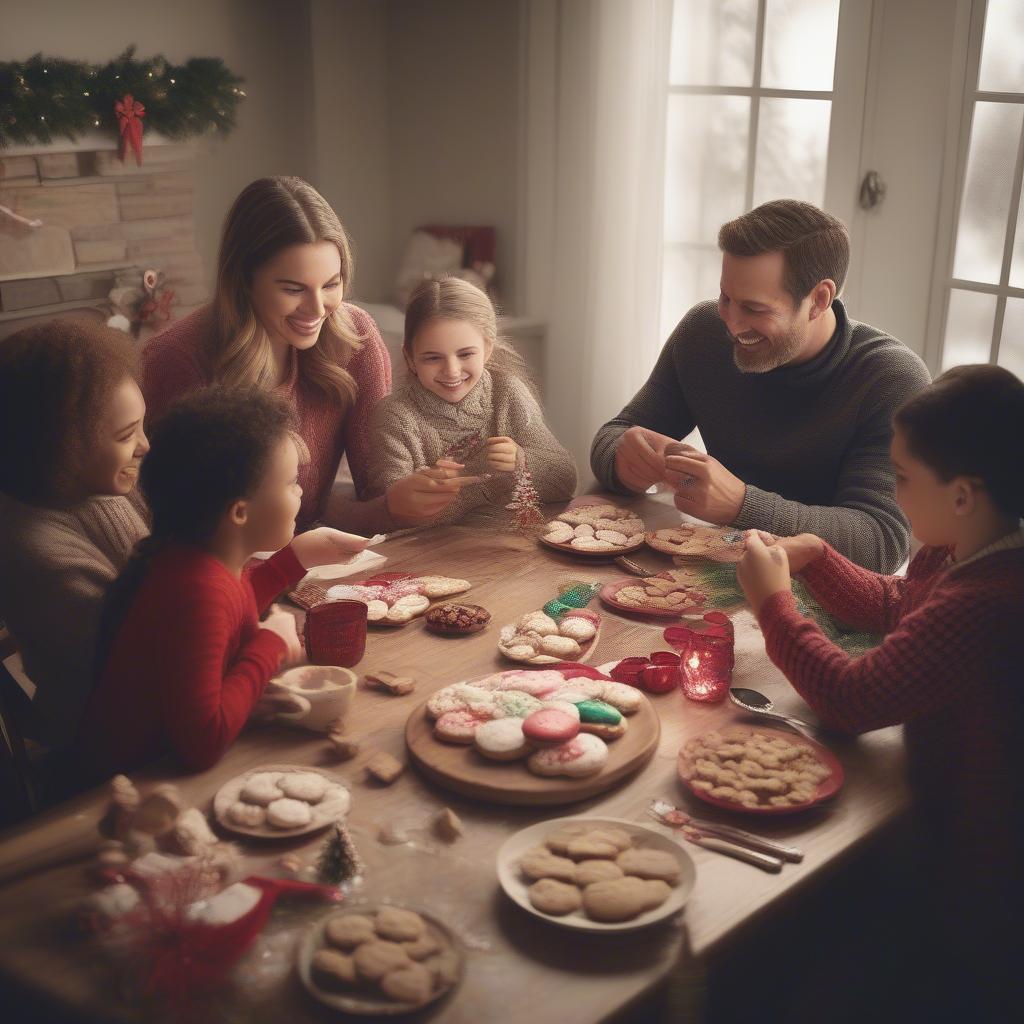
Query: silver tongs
x=735, y=842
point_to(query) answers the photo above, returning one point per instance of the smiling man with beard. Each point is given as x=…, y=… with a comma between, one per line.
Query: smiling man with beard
x=792, y=398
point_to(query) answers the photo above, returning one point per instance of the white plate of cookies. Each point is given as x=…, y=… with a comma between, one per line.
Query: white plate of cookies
x=379, y=960
x=596, y=874
x=595, y=530
x=279, y=801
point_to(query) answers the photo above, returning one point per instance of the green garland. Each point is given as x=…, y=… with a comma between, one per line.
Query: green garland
x=45, y=98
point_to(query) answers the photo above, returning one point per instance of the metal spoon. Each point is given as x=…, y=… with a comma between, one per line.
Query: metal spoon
x=758, y=704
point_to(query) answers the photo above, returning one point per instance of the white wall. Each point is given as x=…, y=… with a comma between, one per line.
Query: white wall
x=265, y=41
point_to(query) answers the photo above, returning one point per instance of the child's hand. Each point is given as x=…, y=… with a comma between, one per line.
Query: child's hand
x=762, y=571
x=420, y=496
x=282, y=623
x=801, y=550
x=502, y=453
x=325, y=546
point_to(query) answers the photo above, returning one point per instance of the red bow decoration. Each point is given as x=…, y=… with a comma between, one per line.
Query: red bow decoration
x=130, y=113
x=157, y=309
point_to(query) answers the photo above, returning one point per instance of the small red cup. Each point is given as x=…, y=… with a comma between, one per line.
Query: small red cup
x=336, y=633
x=629, y=671
x=660, y=678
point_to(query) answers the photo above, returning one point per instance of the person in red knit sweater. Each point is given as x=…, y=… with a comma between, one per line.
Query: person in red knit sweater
x=278, y=322
x=184, y=657
x=951, y=665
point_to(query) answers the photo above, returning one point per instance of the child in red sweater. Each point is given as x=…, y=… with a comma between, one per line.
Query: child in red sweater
x=951, y=666
x=184, y=654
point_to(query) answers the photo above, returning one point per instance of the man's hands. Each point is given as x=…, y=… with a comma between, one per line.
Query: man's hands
x=420, y=496
x=639, y=458
x=704, y=488
x=326, y=546
x=762, y=571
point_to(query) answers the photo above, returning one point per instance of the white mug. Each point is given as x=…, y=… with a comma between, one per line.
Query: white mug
x=319, y=694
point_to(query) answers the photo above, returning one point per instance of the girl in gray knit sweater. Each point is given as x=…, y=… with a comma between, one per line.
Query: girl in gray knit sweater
x=465, y=418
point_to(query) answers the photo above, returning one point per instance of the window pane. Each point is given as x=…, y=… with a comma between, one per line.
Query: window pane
x=1011, y=343
x=689, y=276
x=706, y=169
x=800, y=44
x=713, y=42
x=1002, y=69
x=985, y=209
x=968, y=328
x=792, y=150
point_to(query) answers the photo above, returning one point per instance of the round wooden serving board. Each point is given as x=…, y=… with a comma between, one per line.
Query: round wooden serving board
x=460, y=768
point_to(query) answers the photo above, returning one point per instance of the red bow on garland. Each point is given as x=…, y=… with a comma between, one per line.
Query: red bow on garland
x=130, y=114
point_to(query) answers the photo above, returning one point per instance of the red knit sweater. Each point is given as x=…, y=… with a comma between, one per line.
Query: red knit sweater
x=188, y=662
x=951, y=667
x=173, y=363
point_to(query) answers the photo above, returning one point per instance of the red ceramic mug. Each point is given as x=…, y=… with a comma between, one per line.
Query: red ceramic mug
x=336, y=633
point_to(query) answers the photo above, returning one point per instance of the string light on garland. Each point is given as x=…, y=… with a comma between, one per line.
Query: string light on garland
x=42, y=99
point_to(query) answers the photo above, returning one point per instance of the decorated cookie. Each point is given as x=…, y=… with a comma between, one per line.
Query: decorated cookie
x=581, y=756
x=460, y=697
x=550, y=727
x=563, y=705
x=346, y=931
x=515, y=704
x=501, y=739
x=590, y=871
x=552, y=897
x=376, y=611
x=540, y=862
x=622, y=696
x=262, y=788
x=601, y=719
x=380, y=957
x=577, y=628
x=537, y=622
x=286, y=813
x=442, y=586
x=561, y=647
x=247, y=815
x=412, y=984
x=649, y=864
x=538, y=684
x=460, y=726
x=399, y=925
x=307, y=786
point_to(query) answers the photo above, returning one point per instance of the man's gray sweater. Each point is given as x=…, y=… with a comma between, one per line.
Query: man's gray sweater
x=811, y=442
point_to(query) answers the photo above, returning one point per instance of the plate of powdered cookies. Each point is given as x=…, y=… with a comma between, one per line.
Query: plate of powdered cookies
x=594, y=530
x=596, y=874
x=281, y=801
x=379, y=960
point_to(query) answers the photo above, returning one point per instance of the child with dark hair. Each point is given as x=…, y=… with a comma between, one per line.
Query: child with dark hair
x=951, y=666
x=71, y=441
x=184, y=655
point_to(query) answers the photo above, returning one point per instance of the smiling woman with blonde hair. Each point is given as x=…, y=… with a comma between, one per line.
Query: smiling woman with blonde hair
x=279, y=321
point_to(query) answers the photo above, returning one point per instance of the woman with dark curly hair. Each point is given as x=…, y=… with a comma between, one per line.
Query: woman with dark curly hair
x=184, y=656
x=71, y=441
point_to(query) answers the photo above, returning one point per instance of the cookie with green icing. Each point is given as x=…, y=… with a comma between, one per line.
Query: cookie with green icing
x=601, y=719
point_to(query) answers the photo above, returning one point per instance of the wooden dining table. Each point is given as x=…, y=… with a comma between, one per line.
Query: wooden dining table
x=517, y=967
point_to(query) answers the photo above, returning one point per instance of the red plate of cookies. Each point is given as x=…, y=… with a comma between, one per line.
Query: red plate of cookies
x=657, y=596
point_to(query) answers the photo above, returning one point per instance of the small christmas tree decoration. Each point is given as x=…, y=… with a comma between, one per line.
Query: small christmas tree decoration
x=339, y=861
x=525, y=504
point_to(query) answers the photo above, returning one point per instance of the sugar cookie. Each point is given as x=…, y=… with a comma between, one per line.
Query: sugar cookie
x=412, y=984
x=501, y=739
x=618, y=899
x=649, y=864
x=333, y=969
x=261, y=788
x=346, y=931
x=622, y=696
x=247, y=815
x=590, y=871
x=540, y=863
x=550, y=727
x=459, y=726
x=306, y=786
x=286, y=813
x=552, y=897
x=558, y=841
x=380, y=957
x=399, y=925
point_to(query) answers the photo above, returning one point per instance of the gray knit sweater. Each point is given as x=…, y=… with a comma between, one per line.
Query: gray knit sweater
x=55, y=568
x=412, y=428
x=811, y=442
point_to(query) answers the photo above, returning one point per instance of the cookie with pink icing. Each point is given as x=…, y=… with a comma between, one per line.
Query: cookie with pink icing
x=502, y=739
x=550, y=727
x=538, y=684
x=460, y=726
x=583, y=755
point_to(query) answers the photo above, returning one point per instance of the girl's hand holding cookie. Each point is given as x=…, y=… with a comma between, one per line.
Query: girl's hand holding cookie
x=326, y=546
x=502, y=453
x=762, y=571
x=801, y=550
x=282, y=623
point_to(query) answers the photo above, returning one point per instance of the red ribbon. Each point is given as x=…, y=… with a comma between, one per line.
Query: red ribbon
x=130, y=113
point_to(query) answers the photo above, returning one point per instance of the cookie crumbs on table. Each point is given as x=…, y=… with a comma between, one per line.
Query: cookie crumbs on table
x=447, y=825
x=384, y=768
x=390, y=682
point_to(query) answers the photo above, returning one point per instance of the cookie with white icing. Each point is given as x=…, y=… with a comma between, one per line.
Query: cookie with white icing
x=287, y=813
x=581, y=756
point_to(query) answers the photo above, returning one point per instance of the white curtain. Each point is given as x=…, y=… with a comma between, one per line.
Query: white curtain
x=594, y=122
